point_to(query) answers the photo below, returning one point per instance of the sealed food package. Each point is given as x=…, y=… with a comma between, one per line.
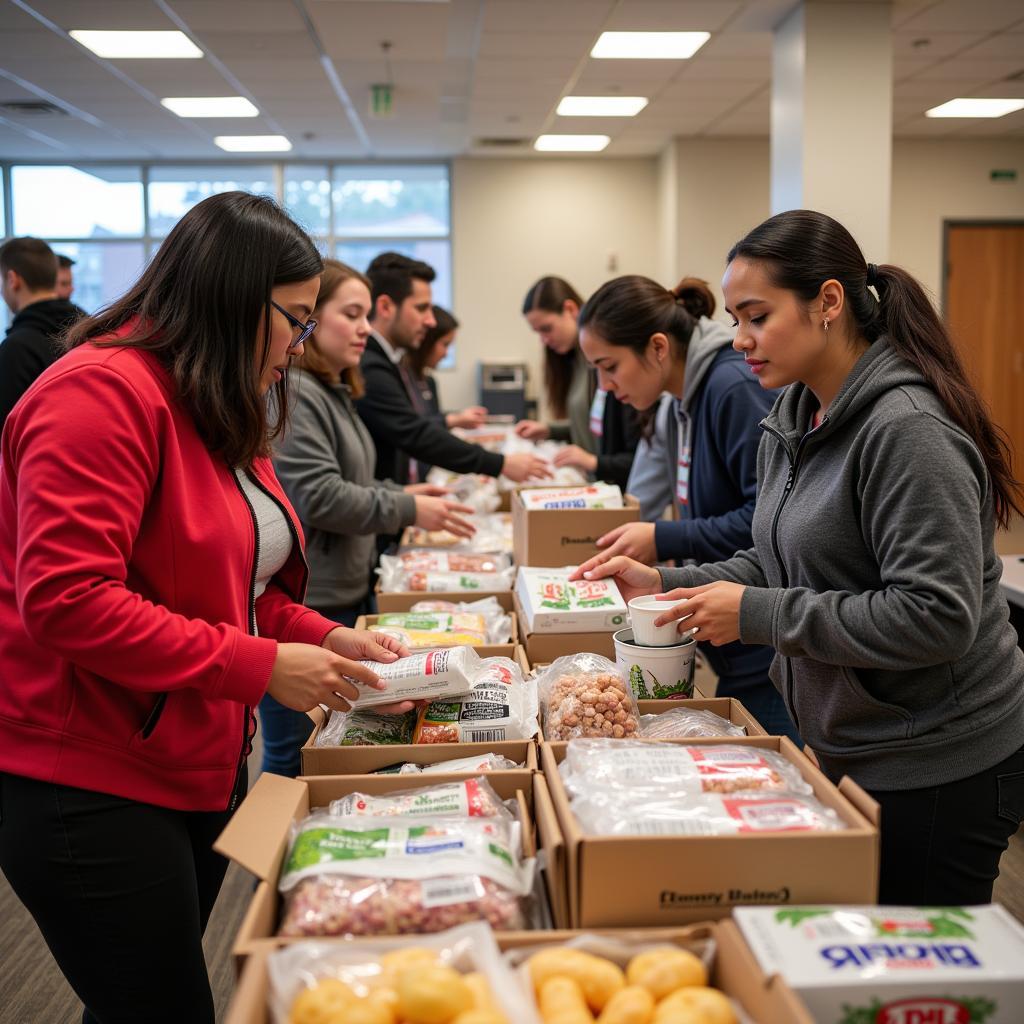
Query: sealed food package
x=397, y=578
x=425, y=631
x=687, y=724
x=592, y=496
x=651, y=766
x=449, y=672
x=493, y=534
x=428, y=560
x=553, y=604
x=616, y=813
x=473, y=489
x=498, y=622
x=474, y=798
x=349, y=875
x=501, y=706
x=586, y=695
x=488, y=762
x=454, y=975
x=366, y=728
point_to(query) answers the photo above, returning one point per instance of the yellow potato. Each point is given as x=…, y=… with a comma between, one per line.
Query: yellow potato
x=483, y=997
x=364, y=1011
x=432, y=995
x=317, y=1005
x=662, y=971
x=696, y=1005
x=630, y=1005
x=387, y=999
x=413, y=956
x=561, y=1002
x=480, y=1017
x=599, y=979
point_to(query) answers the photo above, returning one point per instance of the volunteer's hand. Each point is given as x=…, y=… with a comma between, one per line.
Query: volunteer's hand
x=362, y=645
x=429, y=490
x=574, y=455
x=469, y=419
x=441, y=514
x=305, y=675
x=712, y=612
x=634, y=540
x=523, y=467
x=531, y=430
x=632, y=578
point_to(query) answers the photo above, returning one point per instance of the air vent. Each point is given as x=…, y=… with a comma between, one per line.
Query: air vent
x=500, y=142
x=32, y=108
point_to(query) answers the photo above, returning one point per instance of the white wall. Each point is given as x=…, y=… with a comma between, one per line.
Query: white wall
x=514, y=221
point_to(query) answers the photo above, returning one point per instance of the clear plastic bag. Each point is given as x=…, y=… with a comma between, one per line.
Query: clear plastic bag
x=366, y=728
x=394, y=876
x=493, y=534
x=473, y=798
x=501, y=706
x=433, y=560
x=586, y=695
x=448, y=672
x=498, y=621
x=686, y=724
x=306, y=978
x=395, y=577
x=473, y=489
x=428, y=630
x=488, y=762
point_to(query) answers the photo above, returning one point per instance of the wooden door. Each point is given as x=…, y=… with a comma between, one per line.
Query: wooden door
x=985, y=311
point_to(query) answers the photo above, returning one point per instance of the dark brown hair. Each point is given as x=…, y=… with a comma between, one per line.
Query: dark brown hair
x=32, y=260
x=801, y=249
x=416, y=358
x=392, y=274
x=198, y=307
x=550, y=294
x=334, y=276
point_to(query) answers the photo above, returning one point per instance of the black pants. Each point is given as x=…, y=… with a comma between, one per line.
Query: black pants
x=941, y=845
x=121, y=892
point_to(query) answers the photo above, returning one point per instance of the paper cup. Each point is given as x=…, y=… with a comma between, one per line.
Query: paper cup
x=656, y=673
x=642, y=613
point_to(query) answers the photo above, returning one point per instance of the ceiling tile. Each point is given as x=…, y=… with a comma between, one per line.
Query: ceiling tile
x=672, y=15
x=960, y=16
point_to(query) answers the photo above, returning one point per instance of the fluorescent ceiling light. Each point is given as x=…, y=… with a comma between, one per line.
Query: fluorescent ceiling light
x=210, y=106
x=253, y=143
x=649, y=45
x=137, y=45
x=571, y=143
x=601, y=106
x=969, y=107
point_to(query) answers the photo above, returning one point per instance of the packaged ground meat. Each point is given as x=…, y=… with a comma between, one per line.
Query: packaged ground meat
x=501, y=706
x=390, y=876
x=450, y=672
x=586, y=695
x=474, y=798
x=366, y=728
x=687, y=724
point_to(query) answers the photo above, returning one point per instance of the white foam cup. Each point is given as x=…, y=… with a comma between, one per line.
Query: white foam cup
x=642, y=613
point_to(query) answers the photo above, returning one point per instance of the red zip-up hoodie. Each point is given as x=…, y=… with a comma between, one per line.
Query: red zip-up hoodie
x=128, y=663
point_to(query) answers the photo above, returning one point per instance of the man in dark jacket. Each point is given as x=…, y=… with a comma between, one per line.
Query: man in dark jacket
x=400, y=317
x=28, y=268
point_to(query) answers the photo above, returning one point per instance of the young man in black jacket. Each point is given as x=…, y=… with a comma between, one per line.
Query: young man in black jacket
x=400, y=317
x=28, y=268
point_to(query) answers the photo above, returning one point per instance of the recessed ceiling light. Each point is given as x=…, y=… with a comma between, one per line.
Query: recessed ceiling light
x=601, y=106
x=210, y=106
x=253, y=143
x=649, y=45
x=571, y=143
x=137, y=45
x=973, y=107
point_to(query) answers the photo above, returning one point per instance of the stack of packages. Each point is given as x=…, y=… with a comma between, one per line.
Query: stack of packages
x=433, y=624
x=430, y=570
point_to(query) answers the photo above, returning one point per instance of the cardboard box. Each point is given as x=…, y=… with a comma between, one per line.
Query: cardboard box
x=625, y=881
x=543, y=648
x=728, y=708
x=735, y=971
x=556, y=537
x=551, y=604
x=403, y=600
x=257, y=837
x=484, y=650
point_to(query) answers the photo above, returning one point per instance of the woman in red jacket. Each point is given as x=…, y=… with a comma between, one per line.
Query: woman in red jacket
x=151, y=580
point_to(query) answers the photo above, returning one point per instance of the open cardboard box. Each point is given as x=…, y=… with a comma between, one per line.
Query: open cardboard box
x=403, y=600
x=624, y=881
x=545, y=647
x=258, y=835
x=484, y=650
x=362, y=760
x=564, y=536
x=735, y=971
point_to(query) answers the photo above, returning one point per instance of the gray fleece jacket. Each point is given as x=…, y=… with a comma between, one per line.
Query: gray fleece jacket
x=325, y=462
x=873, y=575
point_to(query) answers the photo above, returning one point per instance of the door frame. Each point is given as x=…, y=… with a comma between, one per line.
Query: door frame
x=980, y=222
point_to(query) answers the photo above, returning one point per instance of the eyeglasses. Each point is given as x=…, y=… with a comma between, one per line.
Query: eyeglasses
x=304, y=329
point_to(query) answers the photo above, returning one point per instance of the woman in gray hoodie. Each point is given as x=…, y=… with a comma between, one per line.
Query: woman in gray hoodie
x=873, y=572
x=325, y=462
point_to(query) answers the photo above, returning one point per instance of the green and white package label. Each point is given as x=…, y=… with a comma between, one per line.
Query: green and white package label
x=894, y=965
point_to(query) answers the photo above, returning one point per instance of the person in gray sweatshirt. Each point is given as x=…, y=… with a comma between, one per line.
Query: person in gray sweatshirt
x=325, y=461
x=873, y=573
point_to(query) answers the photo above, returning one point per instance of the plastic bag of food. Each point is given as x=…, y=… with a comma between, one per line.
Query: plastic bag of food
x=393, y=876
x=488, y=762
x=586, y=695
x=473, y=798
x=365, y=728
x=598, y=495
x=686, y=724
x=618, y=813
x=431, y=560
x=449, y=672
x=473, y=489
x=452, y=972
x=497, y=621
x=501, y=706
x=396, y=578
x=427, y=630
x=642, y=766
x=493, y=534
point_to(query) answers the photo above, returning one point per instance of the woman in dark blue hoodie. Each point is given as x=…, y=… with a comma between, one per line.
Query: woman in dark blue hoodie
x=646, y=341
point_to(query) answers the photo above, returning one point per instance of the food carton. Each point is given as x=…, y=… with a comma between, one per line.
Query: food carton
x=552, y=604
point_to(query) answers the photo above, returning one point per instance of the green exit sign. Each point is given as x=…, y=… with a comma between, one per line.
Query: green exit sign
x=1003, y=174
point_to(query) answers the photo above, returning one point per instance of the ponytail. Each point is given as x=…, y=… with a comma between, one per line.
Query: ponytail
x=696, y=297
x=801, y=249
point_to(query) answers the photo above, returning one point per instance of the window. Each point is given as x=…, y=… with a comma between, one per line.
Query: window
x=391, y=202
x=173, y=191
x=77, y=202
x=307, y=197
x=102, y=272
